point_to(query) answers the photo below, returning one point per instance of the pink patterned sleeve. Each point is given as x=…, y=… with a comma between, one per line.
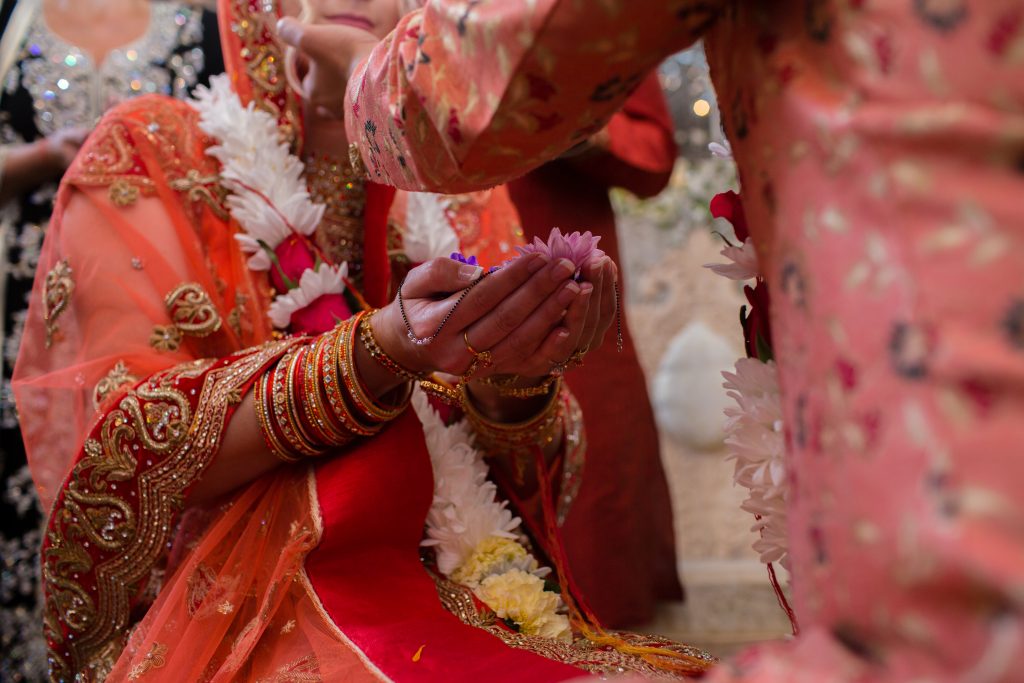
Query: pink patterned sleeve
x=463, y=96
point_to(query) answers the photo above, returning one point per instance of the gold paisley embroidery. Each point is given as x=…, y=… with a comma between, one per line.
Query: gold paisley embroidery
x=154, y=659
x=114, y=380
x=57, y=292
x=192, y=311
x=165, y=338
x=115, y=518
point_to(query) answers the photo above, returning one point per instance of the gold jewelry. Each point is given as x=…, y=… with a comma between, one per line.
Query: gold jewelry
x=501, y=438
x=270, y=436
x=363, y=399
x=378, y=354
x=481, y=359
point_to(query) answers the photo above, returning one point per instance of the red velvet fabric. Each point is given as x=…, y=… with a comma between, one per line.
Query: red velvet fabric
x=618, y=536
x=369, y=577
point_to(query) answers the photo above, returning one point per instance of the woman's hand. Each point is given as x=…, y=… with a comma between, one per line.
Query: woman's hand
x=512, y=313
x=29, y=165
x=332, y=52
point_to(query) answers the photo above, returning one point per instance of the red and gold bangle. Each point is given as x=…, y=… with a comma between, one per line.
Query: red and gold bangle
x=281, y=400
x=296, y=393
x=329, y=430
x=378, y=354
x=334, y=387
x=263, y=412
x=361, y=398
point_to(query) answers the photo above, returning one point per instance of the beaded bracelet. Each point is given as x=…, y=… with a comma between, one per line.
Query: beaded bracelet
x=361, y=398
x=378, y=354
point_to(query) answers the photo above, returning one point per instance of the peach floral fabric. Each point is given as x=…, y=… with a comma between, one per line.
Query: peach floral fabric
x=881, y=154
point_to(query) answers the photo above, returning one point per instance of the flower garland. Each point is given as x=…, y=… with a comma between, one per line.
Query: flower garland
x=754, y=429
x=473, y=534
x=271, y=203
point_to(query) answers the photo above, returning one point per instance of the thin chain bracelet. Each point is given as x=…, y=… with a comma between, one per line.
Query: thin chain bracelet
x=618, y=318
x=423, y=341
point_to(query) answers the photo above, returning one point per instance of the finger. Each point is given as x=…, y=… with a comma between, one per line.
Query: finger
x=598, y=279
x=608, y=311
x=439, y=278
x=325, y=43
x=523, y=342
x=561, y=343
x=512, y=311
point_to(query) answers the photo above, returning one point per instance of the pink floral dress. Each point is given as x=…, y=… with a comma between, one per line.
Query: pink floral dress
x=881, y=153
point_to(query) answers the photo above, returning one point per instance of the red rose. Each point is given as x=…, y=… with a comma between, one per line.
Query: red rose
x=293, y=258
x=729, y=206
x=321, y=315
x=757, y=332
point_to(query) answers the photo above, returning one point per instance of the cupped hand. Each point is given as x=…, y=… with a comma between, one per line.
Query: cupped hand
x=510, y=313
x=533, y=351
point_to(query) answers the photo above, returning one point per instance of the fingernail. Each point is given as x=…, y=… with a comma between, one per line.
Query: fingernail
x=470, y=273
x=568, y=293
x=537, y=261
x=287, y=31
x=587, y=289
x=563, y=269
x=562, y=334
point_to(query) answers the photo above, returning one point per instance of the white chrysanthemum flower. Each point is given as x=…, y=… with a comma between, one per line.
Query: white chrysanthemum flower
x=756, y=442
x=312, y=285
x=428, y=231
x=722, y=150
x=465, y=511
x=744, y=264
x=269, y=198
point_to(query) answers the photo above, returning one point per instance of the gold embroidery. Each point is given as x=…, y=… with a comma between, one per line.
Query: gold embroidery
x=192, y=311
x=203, y=188
x=57, y=292
x=114, y=380
x=264, y=65
x=154, y=659
x=165, y=338
x=340, y=233
x=122, y=193
x=303, y=670
x=288, y=627
x=581, y=653
x=95, y=514
x=575, y=438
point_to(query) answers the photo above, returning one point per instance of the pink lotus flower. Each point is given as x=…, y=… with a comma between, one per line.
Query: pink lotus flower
x=578, y=248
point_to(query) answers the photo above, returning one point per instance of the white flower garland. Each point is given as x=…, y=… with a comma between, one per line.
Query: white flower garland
x=269, y=198
x=753, y=429
x=472, y=533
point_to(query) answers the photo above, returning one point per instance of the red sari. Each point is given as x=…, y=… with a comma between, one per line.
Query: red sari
x=623, y=500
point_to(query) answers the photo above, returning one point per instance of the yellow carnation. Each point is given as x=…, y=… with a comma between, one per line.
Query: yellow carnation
x=494, y=555
x=520, y=597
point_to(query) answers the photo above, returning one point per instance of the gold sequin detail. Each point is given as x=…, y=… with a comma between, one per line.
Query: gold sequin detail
x=114, y=380
x=165, y=338
x=57, y=292
x=154, y=659
x=122, y=193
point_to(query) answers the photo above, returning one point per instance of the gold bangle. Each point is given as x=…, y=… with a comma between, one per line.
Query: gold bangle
x=335, y=388
x=266, y=425
x=280, y=399
x=504, y=386
x=362, y=399
x=317, y=417
x=499, y=438
x=380, y=355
